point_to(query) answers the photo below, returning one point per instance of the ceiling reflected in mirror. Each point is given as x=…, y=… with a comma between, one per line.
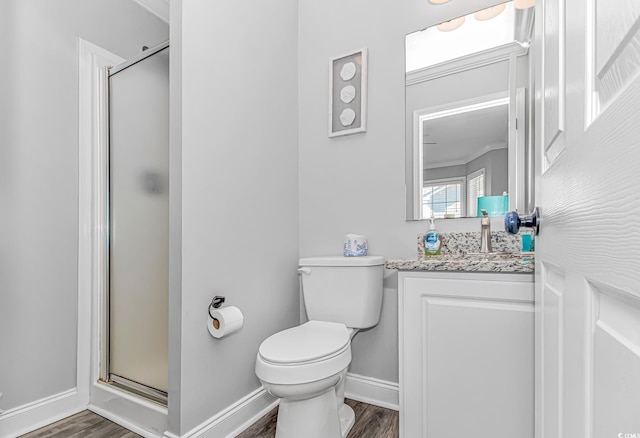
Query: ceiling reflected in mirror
x=451, y=138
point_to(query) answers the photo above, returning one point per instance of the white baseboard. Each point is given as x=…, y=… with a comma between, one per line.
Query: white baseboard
x=34, y=415
x=234, y=419
x=373, y=391
x=228, y=423
x=241, y=415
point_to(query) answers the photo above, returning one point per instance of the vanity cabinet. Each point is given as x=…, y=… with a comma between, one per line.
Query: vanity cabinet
x=466, y=354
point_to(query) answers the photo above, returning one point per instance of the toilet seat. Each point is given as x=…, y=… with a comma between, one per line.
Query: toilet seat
x=308, y=342
x=309, y=352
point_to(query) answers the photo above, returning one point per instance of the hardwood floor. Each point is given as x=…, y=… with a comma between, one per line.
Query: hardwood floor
x=371, y=422
x=85, y=424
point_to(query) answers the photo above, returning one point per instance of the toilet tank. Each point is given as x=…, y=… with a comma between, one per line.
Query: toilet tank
x=343, y=289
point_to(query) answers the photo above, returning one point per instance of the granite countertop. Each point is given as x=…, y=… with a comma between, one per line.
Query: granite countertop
x=466, y=263
x=459, y=254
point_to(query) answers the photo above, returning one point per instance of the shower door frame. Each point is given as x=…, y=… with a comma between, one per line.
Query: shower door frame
x=105, y=374
x=136, y=413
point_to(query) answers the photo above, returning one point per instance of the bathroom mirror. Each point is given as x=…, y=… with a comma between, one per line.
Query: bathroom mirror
x=468, y=119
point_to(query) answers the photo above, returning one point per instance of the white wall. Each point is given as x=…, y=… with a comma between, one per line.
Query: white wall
x=356, y=183
x=39, y=180
x=239, y=194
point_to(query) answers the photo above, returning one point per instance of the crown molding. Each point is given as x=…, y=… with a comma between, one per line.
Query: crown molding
x=159, y=8
x=468, y=62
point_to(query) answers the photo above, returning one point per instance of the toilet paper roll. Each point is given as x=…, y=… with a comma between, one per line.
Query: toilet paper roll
x=355, y=245
x=224, y=320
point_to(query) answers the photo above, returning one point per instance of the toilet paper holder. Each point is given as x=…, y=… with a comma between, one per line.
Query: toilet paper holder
x=223, y=320
x=216, y=302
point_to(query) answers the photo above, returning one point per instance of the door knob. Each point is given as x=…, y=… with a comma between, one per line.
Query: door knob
x=513, y=221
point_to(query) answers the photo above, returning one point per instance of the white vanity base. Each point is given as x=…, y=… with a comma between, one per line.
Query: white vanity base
x=466, y=354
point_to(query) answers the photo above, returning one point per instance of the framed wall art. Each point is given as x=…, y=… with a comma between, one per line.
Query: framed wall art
x=348, y=93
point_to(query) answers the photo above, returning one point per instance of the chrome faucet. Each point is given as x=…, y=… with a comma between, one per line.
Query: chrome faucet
x=485, y=232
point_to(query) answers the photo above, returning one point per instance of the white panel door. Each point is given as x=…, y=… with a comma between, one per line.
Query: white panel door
x=588, y=251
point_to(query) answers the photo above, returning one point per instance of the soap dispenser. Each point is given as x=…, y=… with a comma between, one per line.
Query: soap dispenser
x=432, y=240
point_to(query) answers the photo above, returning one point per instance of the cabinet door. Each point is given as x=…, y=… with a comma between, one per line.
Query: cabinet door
x=467, y=365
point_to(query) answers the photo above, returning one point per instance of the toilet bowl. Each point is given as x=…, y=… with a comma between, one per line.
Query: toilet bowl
x=305, y=367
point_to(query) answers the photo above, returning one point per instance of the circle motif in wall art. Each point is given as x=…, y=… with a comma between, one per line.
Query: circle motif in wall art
x=347, y=117
x=348, y=71
x=348, y=93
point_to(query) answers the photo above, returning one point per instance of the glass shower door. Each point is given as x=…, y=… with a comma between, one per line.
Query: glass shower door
x=139, y=224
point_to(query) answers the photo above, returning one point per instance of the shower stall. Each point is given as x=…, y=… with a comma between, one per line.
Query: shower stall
x=134, y=334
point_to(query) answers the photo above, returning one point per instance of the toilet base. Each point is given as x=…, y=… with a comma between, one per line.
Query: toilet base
x=315, y=417
x=293, y=421
x=347, y=419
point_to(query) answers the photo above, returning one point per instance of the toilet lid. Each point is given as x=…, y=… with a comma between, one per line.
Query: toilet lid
x=310, y=341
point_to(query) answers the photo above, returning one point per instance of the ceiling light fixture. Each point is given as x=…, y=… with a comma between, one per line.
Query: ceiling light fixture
x=438, y=2
x=524, y=4
x=450, y=25
x=489, y=13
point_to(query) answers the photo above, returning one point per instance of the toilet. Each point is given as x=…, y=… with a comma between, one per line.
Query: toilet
x=306, y=366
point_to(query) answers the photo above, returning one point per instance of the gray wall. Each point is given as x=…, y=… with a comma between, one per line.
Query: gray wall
x=239, y=194
x=494, y=163
x=355, y=184
x=39, y=180
x=175, y=218
x=444, y=172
